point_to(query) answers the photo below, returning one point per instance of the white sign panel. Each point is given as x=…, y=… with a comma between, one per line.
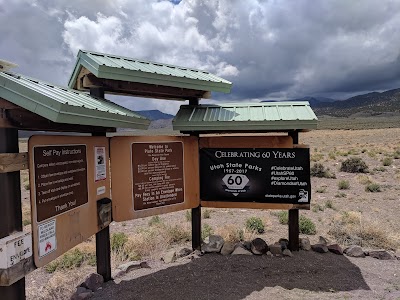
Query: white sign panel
x=100, y=163
x=47, y=238
x=15, y=248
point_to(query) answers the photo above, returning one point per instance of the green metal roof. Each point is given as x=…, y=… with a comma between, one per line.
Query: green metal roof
x=64, y=105
x=266, y=116
x=114, y=67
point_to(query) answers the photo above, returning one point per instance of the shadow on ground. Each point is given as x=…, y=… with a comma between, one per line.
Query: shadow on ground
x=235, y=277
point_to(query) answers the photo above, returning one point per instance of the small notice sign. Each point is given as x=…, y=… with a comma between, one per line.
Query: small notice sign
x=278, y=175
x=60, y=179
x=15, y=248
x=47, y=238
x=100, y=163
x=158, y=178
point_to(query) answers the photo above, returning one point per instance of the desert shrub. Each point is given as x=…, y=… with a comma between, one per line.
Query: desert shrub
x=26, y=214
x=283, y=216
x=321, y=189
x=154, y=220
x=343, y=185
x=332, y=155
x=319, y=170
x=379, y=169
x=350, y=228
x=206, y=231
x=329, y=204
x=373, y=188
x=255, y=224
x=230, y=233
x=206, y=214
x=387, y=161
x=316, y=157
x=354, y=165
x=188, y=216
x=364, y=179
x=317, y=208
x=72, y=259
x=341, y=195
x=396, y=154
x=306, y=226
x=118, y=241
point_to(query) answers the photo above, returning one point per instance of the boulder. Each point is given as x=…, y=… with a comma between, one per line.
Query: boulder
x=93, y=282
x=269, y=253
x=335, y=248
x=323, y=241
x=284, y=243
x=381, y=254
x=214, y=245
x=287, y=252
x=320, y=248
x=184, y=252
x=227, y=248
x=305, y=244
x=259, y=246
x=129, y=266
x=354, y=251
x=275, y=249
x=169, y=257
x=82, y=293
x=241, y=251
x=247, y=245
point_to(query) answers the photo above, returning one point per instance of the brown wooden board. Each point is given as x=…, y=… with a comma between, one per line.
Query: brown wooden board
x=228, y=168
x=68, y=175
x=153, y=175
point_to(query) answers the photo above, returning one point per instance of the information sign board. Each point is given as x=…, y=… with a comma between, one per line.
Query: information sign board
x=156, y=174
x=68, y=175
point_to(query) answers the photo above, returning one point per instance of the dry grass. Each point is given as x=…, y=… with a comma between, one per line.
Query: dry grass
x=26, y=213
x=351, y=228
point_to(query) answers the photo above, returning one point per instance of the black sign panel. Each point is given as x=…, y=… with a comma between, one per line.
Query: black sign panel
x=278, y=175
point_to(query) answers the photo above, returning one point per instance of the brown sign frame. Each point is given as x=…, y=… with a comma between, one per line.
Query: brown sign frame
x=122, y=181
x=74, y=226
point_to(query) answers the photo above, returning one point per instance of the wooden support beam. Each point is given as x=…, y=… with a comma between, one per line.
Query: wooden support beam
x=12, y=162
x=120, y=87
x=11, y=210
x=293, y=223
x=196, y=228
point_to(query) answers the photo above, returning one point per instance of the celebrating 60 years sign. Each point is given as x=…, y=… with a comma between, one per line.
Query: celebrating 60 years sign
x=277, y=175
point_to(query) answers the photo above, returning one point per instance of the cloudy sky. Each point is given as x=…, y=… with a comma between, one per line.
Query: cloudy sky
x=268, y=49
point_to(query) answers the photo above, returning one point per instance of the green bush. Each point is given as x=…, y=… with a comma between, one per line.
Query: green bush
x=321, y=190
x=154, y=220
x=387, y=161
x=206, y=231
x=206, y=214
x=118, y=241
x=70, y=260
x=343, y=185
x=354, y=165
x=188, y=216
x=283, y=216
x=329, y=204
x=341, y=195
x=306, y=226
x=318, y=170
x=255, y=224
x=373, y=188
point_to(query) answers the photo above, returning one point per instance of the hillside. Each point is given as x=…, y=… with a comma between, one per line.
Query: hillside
x=154, y=114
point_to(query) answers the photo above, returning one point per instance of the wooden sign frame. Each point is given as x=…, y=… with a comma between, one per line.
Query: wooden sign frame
x=75, y=225
x=249, y=142
x=122, y=181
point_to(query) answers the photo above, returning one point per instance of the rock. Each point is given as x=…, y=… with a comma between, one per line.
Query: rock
x=335, y=248
x=320, y=248
x=381, y=254
x=323, y=241
x=259, y=246
x=275, y=249
x=354, y=251
x=284, y=243
x=227, y=248
x=247, y=245
x=269, y=253
x=287, y=252
x=169, y=257
x=214, y=245
x=82, y=293
x=129, y=266
x=397, y=254
x=93, y=282
x=198, y=252
x=305, y=244
x=241, y=251
x=184, y=252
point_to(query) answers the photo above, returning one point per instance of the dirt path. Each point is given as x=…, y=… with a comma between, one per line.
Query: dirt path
x=308, y=275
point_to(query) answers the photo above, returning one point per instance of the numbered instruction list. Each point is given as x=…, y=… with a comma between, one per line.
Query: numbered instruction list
x=157, y=174
x=60, y=179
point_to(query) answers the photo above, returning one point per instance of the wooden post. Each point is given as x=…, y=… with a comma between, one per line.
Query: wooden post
x=196, y=228
x=103, y=248
x=293, y=221
x=10, y=203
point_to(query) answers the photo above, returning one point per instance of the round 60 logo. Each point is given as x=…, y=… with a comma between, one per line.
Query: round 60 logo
x=235, y=182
